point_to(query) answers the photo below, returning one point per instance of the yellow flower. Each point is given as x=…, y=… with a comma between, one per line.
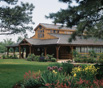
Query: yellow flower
x=54, y=72
x=74, y=75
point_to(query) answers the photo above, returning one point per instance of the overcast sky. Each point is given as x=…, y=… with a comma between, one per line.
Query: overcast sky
x=42, y=8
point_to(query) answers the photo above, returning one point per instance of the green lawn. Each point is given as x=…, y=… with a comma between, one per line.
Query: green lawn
x=12, y=70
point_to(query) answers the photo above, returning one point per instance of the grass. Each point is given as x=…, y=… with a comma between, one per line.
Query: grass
x=12, y=70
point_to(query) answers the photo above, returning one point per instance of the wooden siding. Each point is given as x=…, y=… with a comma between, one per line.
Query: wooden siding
x=46, y=32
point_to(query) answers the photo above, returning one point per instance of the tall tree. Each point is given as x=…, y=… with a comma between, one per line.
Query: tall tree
x=14, y=18
x=86, y=15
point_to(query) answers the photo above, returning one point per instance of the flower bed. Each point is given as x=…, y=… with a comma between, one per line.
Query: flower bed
x=55, y=77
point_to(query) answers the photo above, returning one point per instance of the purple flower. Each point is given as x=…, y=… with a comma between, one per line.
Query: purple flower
x=60, y=69
x=48, y=68
x=51, y=69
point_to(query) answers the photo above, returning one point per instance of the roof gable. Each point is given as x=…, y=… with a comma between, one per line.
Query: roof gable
x=53, y=26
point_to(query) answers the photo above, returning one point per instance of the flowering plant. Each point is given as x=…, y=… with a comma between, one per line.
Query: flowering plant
x=88, y=73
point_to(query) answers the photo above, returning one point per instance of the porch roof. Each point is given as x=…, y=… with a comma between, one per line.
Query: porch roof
x=63, y=39
x=13, y=45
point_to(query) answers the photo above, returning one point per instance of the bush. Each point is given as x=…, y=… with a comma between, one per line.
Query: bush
x=91, y=60
x=89, y=72
x=9, y=57
x=41, y=59
x=92, y=54
x=77, y=59
x=37, y=58
x=31, y=57
x=32, y=80
x=53, y=59
x=4, y=56
x=100, y=71
x=67, y=67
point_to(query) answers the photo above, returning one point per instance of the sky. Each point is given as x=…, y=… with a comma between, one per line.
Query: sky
x=42, y=8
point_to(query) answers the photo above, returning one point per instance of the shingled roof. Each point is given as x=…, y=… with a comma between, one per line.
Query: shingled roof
x=63, y=39
x=53, y=26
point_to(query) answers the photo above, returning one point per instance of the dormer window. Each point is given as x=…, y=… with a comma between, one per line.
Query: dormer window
x=40, y=27
x=54, y=31
x=51, y=31
x=57, y=31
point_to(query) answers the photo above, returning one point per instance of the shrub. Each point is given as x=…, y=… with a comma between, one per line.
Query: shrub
x=15, y=56
x=9, y=57
x=4, y=56
x=92, y=53
x=42, y=59
x=77, y=59
x=67, y=67
x=53, y=59
x=88, y=73
x=52, y=75
x=84, y=58
x=49, y=56
x=37, y=58
x=99, y=74
x=32, y=80
x=91, y=60
x=31, y=57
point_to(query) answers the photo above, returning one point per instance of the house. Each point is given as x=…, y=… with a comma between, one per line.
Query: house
x=53, y=39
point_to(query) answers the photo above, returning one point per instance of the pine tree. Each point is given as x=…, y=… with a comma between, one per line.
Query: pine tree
x=86, y=15
x=14, y=18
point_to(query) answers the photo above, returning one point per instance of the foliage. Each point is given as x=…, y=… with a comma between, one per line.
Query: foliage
x=49, y=58
x=5, y=43
x=37, y=58
x=31, y=79
x=92, y=54
x=85, y=16
x=54, y=78
x=42, y=58
x=88, y=73
x=31, y=57
x=67, y=68
x=9, y=57
x=90, y=58
x=100, y=71
x=52, y=75
x=53, y=59
x=14, y=18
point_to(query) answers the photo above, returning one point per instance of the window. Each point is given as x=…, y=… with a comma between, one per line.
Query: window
x=40, y=35
x=54, y=31
x=51, y=31
x=40, y=27
x=57, y=31
x=78, y=49
x=101, y=49
x=82, y=49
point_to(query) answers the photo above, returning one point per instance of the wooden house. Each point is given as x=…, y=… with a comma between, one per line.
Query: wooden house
x=53, y=39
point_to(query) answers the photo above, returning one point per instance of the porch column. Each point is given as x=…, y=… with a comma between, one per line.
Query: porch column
x=8, y=51
x=14, y=51
x=19, y=51
x=22, y=55
x=71, y=51
x=29, y=49
x=45, y=51
x=57, y=52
